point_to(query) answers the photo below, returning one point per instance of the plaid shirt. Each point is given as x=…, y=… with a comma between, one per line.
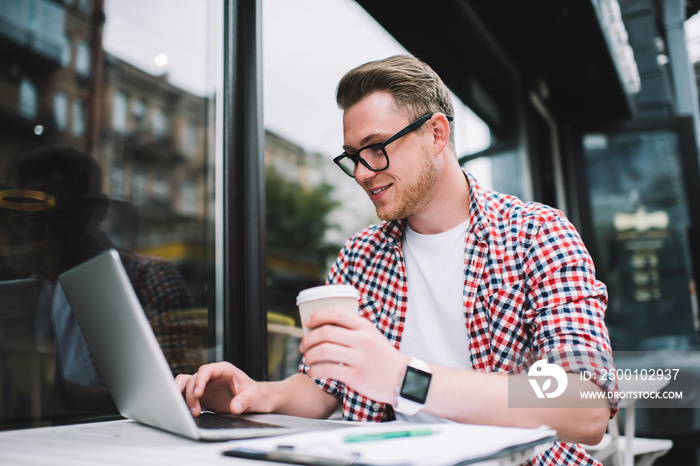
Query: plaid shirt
x=529, y=286
x=179, y=327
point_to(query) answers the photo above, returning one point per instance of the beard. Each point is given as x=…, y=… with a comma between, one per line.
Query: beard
x=412, y=198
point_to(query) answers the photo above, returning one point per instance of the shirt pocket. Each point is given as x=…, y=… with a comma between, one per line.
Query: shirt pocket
x=507, y=300
x=506, y=311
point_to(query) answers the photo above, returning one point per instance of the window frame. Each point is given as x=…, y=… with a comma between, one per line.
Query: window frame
x=243, y=196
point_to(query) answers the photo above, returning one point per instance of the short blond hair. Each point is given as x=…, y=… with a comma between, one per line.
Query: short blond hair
x=416, y=87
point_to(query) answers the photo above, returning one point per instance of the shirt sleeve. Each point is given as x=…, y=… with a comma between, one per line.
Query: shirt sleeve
x=567, y=304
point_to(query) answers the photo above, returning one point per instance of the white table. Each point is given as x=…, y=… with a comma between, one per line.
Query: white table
x=106, y=443
x=125, y=442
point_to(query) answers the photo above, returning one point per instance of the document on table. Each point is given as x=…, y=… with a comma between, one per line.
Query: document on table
x=395, y=443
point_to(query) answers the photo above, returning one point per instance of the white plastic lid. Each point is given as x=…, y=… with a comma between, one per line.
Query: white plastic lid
x=327, y=291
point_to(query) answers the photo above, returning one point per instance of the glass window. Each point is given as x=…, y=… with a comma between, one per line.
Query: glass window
x=640, y=219
x=66, y=51
x=13, y=13
x=158, y=123
x=119, y=112
x=501, y=170
x=161, y=186
x=75, y=197
x=37, y=25
x=60, y=110
x=31, y=18
x=138, y=186
x=78, y=118
x=138, y=112
x=27, y=98
x=84, y=5
x=82, y=58
x=312, y=206
x=116, y=175
x=189, y=141
x=48, y=21
x=188, y=202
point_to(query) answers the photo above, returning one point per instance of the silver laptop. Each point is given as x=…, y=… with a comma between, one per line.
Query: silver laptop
x=133, y=365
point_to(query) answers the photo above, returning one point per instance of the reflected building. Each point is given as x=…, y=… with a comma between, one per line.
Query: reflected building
x=48, y=55
x=153, y=144
x=291, y=173
x=60, y=88
x=305, y=227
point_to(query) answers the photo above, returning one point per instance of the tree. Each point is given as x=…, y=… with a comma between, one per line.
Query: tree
x=297, y=219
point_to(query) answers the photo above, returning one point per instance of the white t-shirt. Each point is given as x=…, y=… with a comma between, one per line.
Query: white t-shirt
x=435, y=329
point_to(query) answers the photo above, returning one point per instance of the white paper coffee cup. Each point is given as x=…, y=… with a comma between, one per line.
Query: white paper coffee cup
x=311, y=300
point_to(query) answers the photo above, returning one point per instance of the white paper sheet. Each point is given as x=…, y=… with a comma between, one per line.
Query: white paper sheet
x=449, y=443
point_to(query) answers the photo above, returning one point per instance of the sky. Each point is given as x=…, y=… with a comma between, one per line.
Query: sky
x=138, y=30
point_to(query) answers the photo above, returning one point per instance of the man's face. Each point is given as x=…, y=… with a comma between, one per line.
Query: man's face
x=406, y=186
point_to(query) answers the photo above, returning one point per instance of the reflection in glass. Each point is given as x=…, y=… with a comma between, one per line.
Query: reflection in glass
x=66, y=51
x=501, y=168
x=27, y=98
x=78, y=118
x=82, y=58
x=119, y=112
x=60, y=110
x=640, y=220
x=117, y=178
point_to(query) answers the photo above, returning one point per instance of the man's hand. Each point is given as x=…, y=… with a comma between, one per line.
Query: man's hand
x=350, y=349
x=221, y=387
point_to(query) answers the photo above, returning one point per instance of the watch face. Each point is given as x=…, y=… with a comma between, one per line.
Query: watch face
x=415, y=385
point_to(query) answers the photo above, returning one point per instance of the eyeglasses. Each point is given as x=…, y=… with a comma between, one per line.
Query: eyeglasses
x=374, y=156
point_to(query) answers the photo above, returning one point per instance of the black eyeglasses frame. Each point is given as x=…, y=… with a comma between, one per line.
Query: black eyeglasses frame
x=356, y=157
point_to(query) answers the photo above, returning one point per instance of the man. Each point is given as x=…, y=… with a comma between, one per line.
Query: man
x=455, y=285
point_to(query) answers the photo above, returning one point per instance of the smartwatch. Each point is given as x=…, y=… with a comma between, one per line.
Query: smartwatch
x=413, y=391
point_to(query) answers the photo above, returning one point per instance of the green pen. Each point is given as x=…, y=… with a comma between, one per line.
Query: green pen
x=387, y=435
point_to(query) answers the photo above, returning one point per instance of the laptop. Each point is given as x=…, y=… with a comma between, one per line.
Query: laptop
x=134, y=368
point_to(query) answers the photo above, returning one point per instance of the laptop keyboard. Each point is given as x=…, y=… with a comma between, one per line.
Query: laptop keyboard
x=228, y=421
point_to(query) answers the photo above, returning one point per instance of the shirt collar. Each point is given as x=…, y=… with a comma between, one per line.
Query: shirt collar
x=478, y=220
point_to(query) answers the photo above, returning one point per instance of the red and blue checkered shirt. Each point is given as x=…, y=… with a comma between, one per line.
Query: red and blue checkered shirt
x=529, y=286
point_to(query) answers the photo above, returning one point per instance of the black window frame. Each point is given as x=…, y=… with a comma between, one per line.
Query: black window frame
x=244, y=319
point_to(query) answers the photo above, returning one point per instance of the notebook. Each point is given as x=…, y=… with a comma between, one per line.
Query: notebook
x=133, y=366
